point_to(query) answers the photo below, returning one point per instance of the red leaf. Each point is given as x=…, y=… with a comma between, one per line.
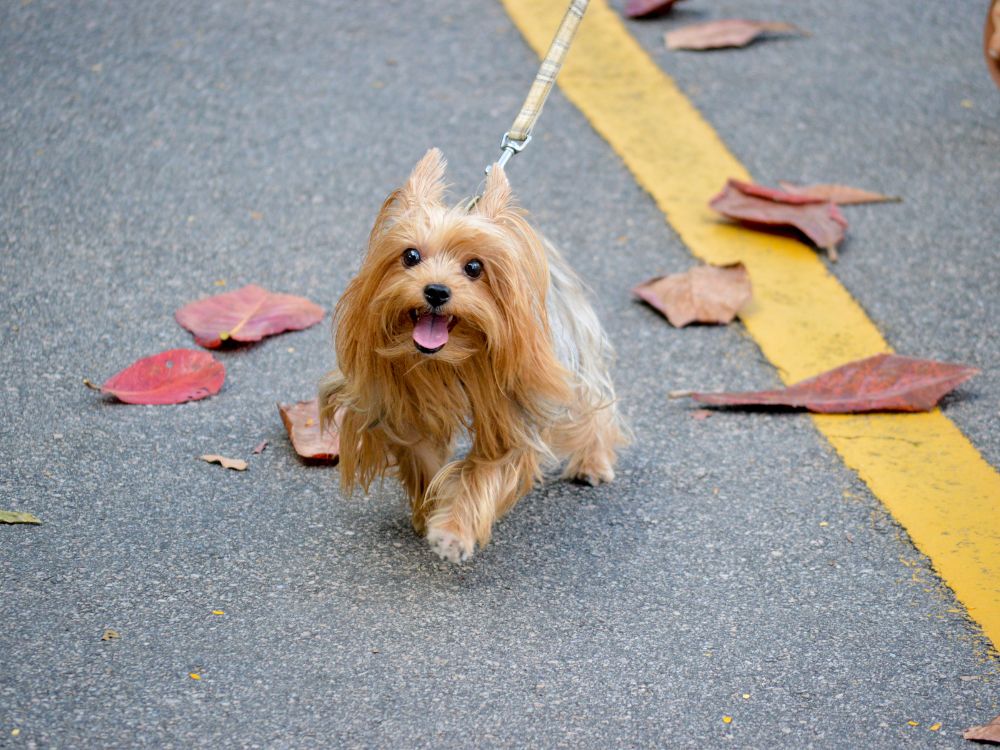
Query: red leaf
x=729, y=32
x=302, y=422
x=641, y=8
x=248, y=314
x=842, y=195
x=820, y=220
x=986, y=733
x=168, y=378
x=885, y=382
x=704, y=294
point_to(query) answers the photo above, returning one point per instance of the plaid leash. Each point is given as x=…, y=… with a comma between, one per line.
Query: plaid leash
x=519, y=134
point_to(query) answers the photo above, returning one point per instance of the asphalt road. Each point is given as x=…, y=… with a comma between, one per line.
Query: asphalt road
x=735, y=568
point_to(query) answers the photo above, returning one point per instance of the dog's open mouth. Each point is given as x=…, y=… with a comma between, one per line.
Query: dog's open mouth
x=430, y=330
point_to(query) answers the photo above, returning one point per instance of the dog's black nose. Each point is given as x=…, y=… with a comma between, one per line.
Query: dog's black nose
x=436, y=294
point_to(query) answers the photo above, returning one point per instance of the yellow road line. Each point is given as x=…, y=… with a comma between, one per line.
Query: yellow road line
x=929, y=476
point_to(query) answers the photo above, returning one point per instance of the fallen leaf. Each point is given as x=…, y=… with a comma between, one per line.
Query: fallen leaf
x=644, y=8
x=728, y=32
x=170, y=377
x=303, y=425
x=260, y=447
x=194, y=675
x=703, y=294
x=986, y=733
x=11, y=516
x=885, y=382
x=110, y=635
x=991, y=41
x=237, y=464
x=818, y=219
x=247, y=314
x=842, y=195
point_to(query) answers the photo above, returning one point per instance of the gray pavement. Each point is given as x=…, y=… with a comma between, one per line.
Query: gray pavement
x=149, y=150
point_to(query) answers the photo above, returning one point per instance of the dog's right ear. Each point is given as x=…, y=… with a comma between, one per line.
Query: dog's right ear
x=426, y=185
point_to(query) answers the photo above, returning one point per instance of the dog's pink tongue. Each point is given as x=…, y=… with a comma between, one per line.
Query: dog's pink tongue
x=431, y=331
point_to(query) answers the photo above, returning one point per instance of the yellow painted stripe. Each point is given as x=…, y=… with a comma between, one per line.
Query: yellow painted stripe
x=929, y=476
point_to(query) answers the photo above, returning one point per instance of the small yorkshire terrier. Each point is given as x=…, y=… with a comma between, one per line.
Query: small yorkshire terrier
x=467, y=321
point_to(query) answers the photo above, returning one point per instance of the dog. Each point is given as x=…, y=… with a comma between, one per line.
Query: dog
x=466, y=320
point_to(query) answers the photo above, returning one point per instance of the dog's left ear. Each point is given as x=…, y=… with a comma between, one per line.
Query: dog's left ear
x=497, y=196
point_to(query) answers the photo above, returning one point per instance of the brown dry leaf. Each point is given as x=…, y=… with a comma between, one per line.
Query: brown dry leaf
x=728, y=32
x=237, y=464
x=303, y=425
x=110, y=635
x=885, y=382
x=704, y=294
x=842, y=195
x=991, y=41
x=986, y=733
x=760, y=207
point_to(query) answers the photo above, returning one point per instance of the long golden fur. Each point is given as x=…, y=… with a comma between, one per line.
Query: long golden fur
x=523, y=370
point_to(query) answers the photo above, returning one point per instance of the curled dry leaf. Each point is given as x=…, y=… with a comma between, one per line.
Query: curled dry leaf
x=986, y=733
x=728, y=32
x=110, y=635
x=818, y=219
x=885, y=382
x=704, y=294
x=13, y=516
x=991, y=41
x=236, y=464
x=248, y=314
x=303, y=425
x=645, y=8
x=842, y=195
x=170, y=377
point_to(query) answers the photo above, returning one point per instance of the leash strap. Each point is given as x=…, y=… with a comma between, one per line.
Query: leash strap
x=519, y=134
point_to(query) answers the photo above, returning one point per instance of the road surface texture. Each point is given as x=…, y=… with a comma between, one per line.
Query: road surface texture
x=150, y=152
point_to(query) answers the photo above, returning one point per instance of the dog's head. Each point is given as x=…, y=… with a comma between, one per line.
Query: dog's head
x=448, y=285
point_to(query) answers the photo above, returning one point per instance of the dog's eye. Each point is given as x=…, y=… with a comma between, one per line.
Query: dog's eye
x=474, y=269
x=411, y=257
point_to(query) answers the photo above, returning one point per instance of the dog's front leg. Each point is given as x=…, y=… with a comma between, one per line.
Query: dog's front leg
x=468, y=496
x=417, y=466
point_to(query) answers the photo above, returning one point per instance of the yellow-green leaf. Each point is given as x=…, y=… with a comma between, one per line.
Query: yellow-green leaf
x=10, y=516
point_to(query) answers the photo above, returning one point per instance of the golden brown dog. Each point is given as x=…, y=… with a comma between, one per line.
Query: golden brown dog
x=467, y=321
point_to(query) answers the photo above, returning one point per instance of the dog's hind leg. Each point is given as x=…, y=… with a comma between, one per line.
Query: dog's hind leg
x=588, y=442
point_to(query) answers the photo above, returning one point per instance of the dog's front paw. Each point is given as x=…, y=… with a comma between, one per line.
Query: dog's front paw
x=449, y=545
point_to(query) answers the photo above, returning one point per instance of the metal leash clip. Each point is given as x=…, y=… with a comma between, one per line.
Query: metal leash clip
x=509, y=147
